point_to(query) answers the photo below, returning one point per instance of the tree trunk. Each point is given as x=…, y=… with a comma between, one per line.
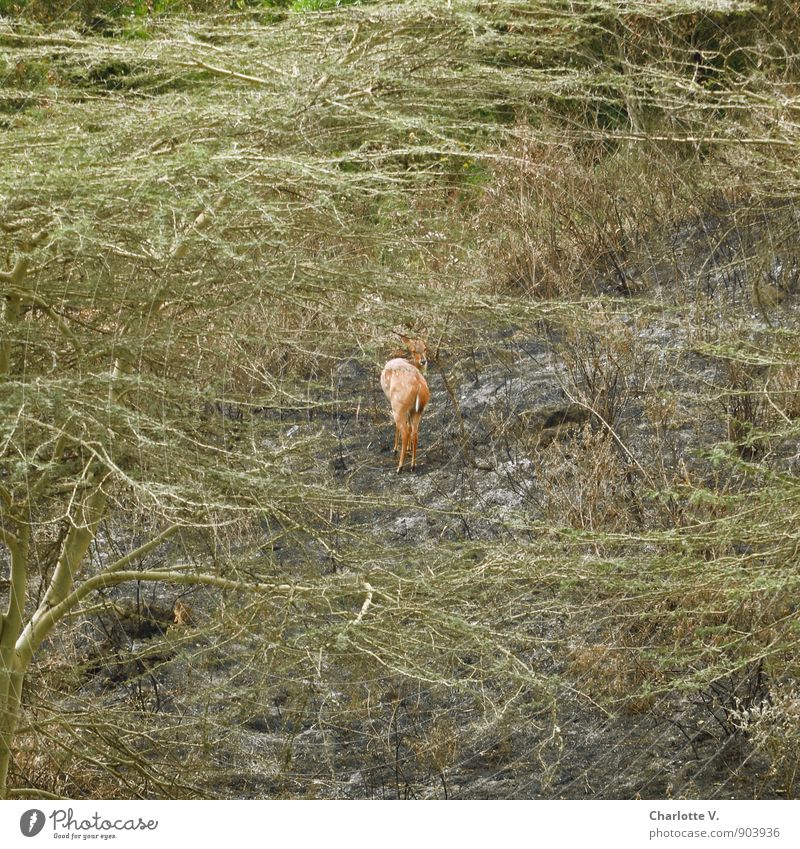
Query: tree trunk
x=12, y=667
x=10, y=699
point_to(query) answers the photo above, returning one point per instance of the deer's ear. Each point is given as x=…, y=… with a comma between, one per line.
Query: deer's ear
x=404, y=337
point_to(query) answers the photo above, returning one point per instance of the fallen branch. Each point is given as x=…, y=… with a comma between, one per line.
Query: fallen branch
x=224, y=72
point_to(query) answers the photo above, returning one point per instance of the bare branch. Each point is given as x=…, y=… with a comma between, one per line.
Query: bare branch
x=224, y=72
x=42, y=623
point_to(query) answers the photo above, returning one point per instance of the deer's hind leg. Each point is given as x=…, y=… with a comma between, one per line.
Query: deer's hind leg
x=415, y=420
x=405, y=437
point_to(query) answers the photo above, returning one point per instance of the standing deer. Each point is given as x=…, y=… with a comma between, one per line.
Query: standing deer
x=405, y=387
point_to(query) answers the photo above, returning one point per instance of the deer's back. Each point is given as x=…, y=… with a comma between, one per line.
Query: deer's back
x=403, y=383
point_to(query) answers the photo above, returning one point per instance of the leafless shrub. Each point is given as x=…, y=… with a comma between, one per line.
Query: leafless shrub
x=773, y=727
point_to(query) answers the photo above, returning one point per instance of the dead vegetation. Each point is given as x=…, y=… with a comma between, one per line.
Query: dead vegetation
x=213, y=228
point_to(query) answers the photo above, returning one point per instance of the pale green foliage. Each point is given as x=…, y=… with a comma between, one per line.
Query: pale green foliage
x=231, y=210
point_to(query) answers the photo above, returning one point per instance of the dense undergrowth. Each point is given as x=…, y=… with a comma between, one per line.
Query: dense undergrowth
x=220, y=212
